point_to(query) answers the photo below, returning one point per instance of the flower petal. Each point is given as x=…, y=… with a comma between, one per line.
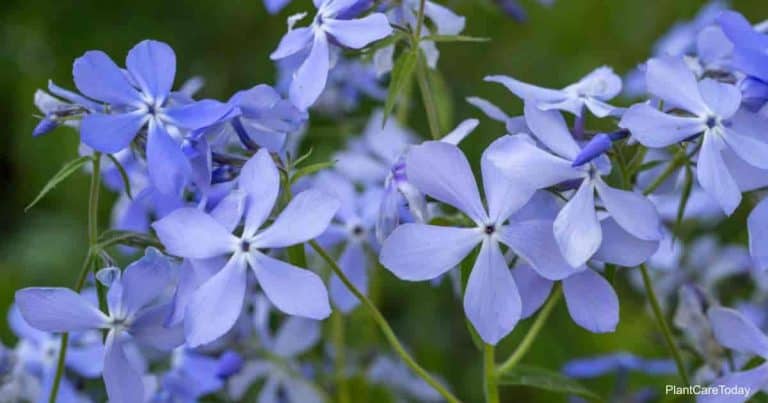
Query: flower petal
x=197, y=115
x=261, y=182
x=190, y=233
x=534, y=241
x=550, y=128
x=750, y=381
x=758, y=235
x=503, y=193
x=294, y=41
x=359, y=32
x=724, y=99
x=98, y=77
x=58, y=310
x=306, y=217
x=621, y=248
x=670, y=79
x=146, y=279
x=592, y=302
x=310, y=78
x=521, y=161
x=491, y=300
x=295, y=336
x=750, y=149
x=217, y=304
x=654, y=128
x=534, y=289
x=736, y=332
x=293, y=290
x=229, y=211
x=418, y=252
x=446, y=21
x=633, y=211
x=168, y=167
x=353, y=263
x=527, y=91
x=576, y=227
x=152, y=65
x=149, y=328
x=111, y=133
x=714, y=177
x=123, y=382
x=442, y=171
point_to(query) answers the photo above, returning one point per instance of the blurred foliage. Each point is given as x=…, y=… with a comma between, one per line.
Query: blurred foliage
x=228, y=43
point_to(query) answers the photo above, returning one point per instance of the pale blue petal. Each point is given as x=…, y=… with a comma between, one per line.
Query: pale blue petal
x=491, y=300
x=621, y=248
x=442, y=171
x=670, y=79
x=229, y=211
x=58, y=310
x=528, y=91
x=753, y=379
x=152, y=65
x=310, y=78
x=98, y=77
x=723, y=99
x=190, y=233
x=504, y=193
x=632, y=211
x=295, y=336
x=197, y=115
x=446, y=21
x=418, y=252
x=654, y=128
x=533, y=289
x=306, y=217
x=758, y=235
x=111, y=133
x=260, y=180
x=550, y=128
x=292, y=290
x=294, y=41
x=534, y=241
x=714, y=177
x=217, y=304
x=359, y=32
x=123, y=382
x=576, y=227
x=734, y=331
x=149, y=328
x=168, y=167
x=353, y=263
x=748, y=148
x=592, y=302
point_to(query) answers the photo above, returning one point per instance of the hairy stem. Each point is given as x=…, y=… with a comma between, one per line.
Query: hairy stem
x=489, y=375
x=529, y=338
x=337, y=330
x=93, y=209
x=386, y=329
x=663, y=324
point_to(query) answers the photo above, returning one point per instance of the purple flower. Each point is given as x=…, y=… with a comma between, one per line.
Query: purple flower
x=732, y=330
x=332, y=24
x=750, y=46
x=713, y=109
x=591, y=92
x=141, y=96
x=577, y=228
x=131, y=318
x=419, y=252
x=193, y=234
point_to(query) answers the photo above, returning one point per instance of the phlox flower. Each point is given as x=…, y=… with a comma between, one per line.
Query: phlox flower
x=577, y=228
x=750, y=46
x=757, y=223
x=592, y=92
x=333, y=23
x=712, y=109
x=137, y=97
x=131, y=318
x=194, y=234
x=194, y=375
x=417, y=251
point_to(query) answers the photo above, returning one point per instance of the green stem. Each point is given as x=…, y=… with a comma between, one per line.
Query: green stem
x=93, y=210
x=676, y=163
x=337, y=329
x=527, y=341
x=489, y=374
x=420, y=20
x=663, y=324
x=386, y=329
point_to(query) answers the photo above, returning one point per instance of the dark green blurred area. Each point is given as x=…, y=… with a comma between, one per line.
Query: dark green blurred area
x=228, y=43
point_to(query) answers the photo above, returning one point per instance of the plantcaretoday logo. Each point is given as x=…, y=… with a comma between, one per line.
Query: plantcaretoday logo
x=713, y=390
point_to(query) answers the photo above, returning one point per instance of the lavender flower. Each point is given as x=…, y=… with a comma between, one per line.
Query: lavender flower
x=193, y=234
x=332, y=24
x=713, y=109
x=418, y=252
x=131, y=318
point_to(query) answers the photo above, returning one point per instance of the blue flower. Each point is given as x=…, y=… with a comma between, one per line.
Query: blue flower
x=578, y=230
x=757, y=224
x=593, y=367
x=132, y=317
x=137, y=98
x=713, y=109
x=750, y=46
x=332, y=24
x=193, y=234
x=591, y=92
x=192, y=376
x=417, y=251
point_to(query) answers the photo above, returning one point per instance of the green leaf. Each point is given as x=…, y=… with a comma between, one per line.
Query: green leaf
x=310, y=169
x=455, y=38
x=443, y=99
x=401, y=76
x=68, y=169
x=123, y=175
x=545, y=379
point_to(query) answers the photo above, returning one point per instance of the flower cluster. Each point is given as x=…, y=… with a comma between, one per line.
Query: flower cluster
x=240, y=231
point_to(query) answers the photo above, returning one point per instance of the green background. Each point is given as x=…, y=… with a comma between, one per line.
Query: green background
x=228, y=43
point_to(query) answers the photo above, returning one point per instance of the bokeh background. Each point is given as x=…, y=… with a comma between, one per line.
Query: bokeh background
x=228, y=42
